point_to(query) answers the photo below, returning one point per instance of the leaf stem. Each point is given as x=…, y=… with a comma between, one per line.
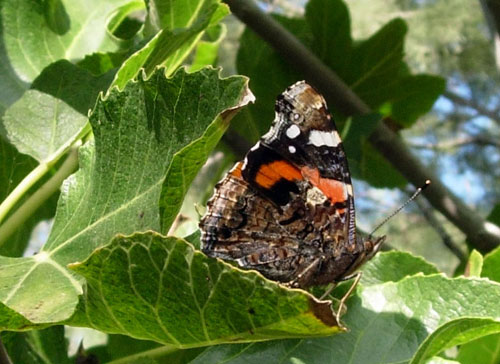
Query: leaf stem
x=153, y=353
x=21, y=189
x=36, y=174
x=40, y=196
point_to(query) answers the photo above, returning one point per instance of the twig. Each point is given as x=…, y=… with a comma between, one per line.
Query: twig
x=450, y=144
x=457, y=99
x=482, y=235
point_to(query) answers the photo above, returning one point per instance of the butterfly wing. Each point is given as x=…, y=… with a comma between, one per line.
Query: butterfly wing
x=288, y=206
x=304, y=133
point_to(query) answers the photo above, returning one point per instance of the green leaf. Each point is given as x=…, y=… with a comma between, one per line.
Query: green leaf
x=46, y=121
x=455, y=332
x=490, y=265
x=12, y=86
x=394, y=266
x=485, y=350
x=332, y=46
x=120, y=25
x=161, y=289
x=72, y=84
x=187, y=162
x=53, y=30
x=474, y=265
x=100, y=63
x=37, y=347
x=137, y=135
x=355, y=133
x=43, y=126
x=207, y=50
x=174, y=14
x=385, y=175
x=168, y=47
x=194, y=239
x=416, y=96
x=376, y=64
x=387, y=323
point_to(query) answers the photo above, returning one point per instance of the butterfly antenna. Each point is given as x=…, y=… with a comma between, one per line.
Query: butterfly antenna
x=414, y=196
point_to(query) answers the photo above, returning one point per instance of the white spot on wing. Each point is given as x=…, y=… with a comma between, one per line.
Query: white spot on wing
x=320, y=138
x=293, y=131
x=349, y=190
x=245, y=162
x=292, y=149
x=255, y=147
x=315, y=196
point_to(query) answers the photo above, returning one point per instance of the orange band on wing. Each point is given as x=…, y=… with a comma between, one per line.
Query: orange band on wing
x=236, y=171
x=271, y=173
x=333, y=189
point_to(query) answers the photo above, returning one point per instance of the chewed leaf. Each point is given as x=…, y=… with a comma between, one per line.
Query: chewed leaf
x=138, y=133
x=162, y=289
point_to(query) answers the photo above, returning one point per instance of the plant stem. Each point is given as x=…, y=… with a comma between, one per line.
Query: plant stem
x=21, y=189
x=483, y=235
x=36, y=174
x=153, y=353
x=41, y=195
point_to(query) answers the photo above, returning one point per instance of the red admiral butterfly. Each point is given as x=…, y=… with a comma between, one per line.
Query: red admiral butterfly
x=287, y=209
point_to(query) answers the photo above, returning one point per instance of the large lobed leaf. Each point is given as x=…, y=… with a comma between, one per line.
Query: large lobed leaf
x=151, y=287
x=137, y=134
x=388, y=319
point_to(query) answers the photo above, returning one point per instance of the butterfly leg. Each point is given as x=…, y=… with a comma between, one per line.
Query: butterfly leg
x=343, y=279
x=357, y=277
x=305, y=275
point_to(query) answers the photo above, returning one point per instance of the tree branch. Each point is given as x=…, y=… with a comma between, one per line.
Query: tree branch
x=457, y=99
x=460, y=142
x=481, y=234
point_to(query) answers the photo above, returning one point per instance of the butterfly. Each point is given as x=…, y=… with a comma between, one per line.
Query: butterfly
x=287, y=209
